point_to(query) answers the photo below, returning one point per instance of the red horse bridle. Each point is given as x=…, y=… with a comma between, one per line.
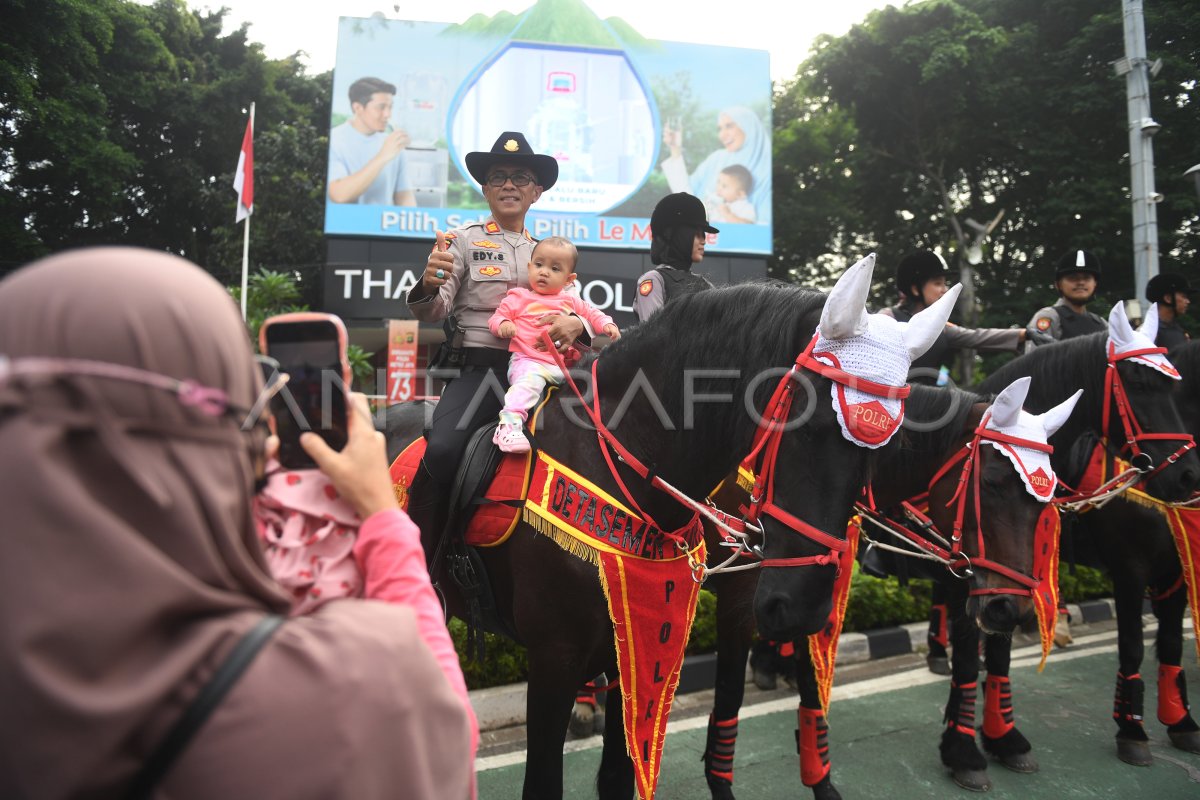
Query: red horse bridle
x=1115, y=389
x=761, y=459
x=765, y=451
x=952, y=556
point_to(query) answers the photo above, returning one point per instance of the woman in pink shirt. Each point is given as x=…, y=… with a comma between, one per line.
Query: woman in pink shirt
x=551, y=269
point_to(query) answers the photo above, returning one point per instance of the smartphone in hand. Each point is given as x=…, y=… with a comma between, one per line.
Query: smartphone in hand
x=311, y=349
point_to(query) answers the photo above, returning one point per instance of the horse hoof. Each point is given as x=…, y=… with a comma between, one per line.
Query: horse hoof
x=1134, y=752
x=1187, y=741
x=582, y=721
x=973, y=780
x=720, y=790
x=825, y=790
x=1020, y=762
x=765, y=679
x=938, y=665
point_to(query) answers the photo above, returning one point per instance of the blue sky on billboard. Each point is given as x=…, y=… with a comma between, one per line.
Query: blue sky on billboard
x=285, y=26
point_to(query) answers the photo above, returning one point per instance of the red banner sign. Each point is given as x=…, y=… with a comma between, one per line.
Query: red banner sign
x=402, y=360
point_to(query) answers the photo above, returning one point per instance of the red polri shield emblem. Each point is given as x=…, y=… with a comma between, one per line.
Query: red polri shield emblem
x=870, y=422
x=1042, y=484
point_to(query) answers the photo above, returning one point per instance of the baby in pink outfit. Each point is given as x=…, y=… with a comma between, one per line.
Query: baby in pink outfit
x=551, y=269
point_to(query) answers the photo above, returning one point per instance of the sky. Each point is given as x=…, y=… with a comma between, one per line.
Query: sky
x=285, y=26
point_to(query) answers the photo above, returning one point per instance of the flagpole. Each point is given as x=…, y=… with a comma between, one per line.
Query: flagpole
x=246, y=243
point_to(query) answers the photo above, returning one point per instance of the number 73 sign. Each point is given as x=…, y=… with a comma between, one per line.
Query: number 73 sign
x=402, y=360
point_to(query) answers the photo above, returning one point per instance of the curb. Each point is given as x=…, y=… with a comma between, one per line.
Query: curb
x=504, y=706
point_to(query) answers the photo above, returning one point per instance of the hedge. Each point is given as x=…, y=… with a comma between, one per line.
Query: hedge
x=874, y=603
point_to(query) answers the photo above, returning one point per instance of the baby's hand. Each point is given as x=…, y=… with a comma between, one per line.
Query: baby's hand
x=612, y=331
x=507, y=329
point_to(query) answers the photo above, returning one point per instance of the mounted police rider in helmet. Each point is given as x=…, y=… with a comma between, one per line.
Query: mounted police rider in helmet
x=1172, y=294
x=1076, y=279
x=921, y=280
x=679, y=228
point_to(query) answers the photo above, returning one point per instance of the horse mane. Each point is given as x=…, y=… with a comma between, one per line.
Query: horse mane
x=1057, y=371
x=747, y=328
x=927, y=404
x=1186, y=358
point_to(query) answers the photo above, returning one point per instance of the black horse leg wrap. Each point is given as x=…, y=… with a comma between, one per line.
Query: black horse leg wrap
x=718, y=752
x=1129, y=700
x=960, y=711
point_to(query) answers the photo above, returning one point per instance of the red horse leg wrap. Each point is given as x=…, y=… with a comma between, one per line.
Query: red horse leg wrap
x=787, y=650
x=587, y=694
x=812, y=743
x=1128, y=703
x=718, y=753
x=1172, y=694
x=938, y=631
x=960, y=711
x=997, y=707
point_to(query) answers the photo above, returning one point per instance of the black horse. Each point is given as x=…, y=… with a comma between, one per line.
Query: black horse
x=655, y=389
x=1129, y=539
x=939, y=422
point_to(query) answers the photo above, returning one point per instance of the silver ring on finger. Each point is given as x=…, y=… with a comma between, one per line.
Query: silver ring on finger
x=440, y=273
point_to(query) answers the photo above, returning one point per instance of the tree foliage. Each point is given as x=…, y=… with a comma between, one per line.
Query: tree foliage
x=121, y=123
x=891, y=137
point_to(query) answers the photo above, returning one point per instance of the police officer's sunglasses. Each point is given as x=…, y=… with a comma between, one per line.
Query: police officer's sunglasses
x=519, y=179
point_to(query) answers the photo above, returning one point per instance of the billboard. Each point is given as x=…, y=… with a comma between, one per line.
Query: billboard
x=628, y=119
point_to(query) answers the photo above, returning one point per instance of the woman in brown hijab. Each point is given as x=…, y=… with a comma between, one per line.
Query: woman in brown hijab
x=129, y=568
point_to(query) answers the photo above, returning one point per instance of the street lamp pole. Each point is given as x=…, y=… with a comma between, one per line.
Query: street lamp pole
x=1142, y=127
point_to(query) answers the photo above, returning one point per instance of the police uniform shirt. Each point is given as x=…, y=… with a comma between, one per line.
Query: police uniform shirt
x=1061, y=322
x=951, y=339
x=651, y=292
x=1170, y=335
x=488, y=261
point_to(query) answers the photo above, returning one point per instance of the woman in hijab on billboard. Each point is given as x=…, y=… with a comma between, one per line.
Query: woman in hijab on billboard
x=745, y=142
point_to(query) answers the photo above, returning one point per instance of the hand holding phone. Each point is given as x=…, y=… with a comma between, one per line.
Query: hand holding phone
x=360, y=471
x=311, y=350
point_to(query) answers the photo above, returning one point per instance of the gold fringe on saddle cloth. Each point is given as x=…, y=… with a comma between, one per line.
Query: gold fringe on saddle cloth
x=649, y=590
x=823, y=646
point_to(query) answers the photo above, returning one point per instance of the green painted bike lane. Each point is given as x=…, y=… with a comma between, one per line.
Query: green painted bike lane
x=884, y=737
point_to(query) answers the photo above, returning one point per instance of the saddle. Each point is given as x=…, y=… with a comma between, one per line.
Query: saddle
x=485, y=503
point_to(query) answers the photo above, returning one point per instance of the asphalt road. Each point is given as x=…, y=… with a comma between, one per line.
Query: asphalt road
x=885, y=721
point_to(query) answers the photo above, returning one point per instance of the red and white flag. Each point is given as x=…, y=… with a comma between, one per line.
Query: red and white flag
x=243, y=176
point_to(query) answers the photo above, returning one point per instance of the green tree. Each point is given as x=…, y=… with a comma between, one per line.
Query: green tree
x=957, y=110
x=121, y=123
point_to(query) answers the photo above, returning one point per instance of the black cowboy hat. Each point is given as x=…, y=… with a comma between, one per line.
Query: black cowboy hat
x=1166, y=283
x=511, y=148
x=680, y=210
x=1078, y=261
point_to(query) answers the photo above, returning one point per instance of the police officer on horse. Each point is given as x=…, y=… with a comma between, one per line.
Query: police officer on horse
x=466, y=276
x=1076, y=279
x=679, y=230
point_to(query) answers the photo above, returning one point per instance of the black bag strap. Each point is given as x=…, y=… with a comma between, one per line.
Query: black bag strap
x=226, y=676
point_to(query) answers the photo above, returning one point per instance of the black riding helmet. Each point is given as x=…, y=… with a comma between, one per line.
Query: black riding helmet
x=917, y=268
x=1166, y=283
x=1078, y=261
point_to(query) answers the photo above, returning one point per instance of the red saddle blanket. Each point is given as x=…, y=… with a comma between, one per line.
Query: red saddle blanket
x=492, y=522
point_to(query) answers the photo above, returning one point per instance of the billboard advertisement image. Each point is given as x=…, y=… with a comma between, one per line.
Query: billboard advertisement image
x=628, y=119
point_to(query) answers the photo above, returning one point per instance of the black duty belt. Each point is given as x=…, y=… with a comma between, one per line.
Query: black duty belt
x=486, y=357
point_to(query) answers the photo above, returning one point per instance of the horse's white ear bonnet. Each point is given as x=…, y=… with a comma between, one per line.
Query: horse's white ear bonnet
x=1007, y=417
x=1125, y=339
x=873, y=347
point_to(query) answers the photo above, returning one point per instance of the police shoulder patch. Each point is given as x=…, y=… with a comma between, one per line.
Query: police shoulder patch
x=645, y=287
x=491, y=227
x=1043, y=323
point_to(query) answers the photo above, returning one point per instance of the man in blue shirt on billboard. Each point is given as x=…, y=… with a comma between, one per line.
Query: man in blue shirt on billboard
x=366, y=159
